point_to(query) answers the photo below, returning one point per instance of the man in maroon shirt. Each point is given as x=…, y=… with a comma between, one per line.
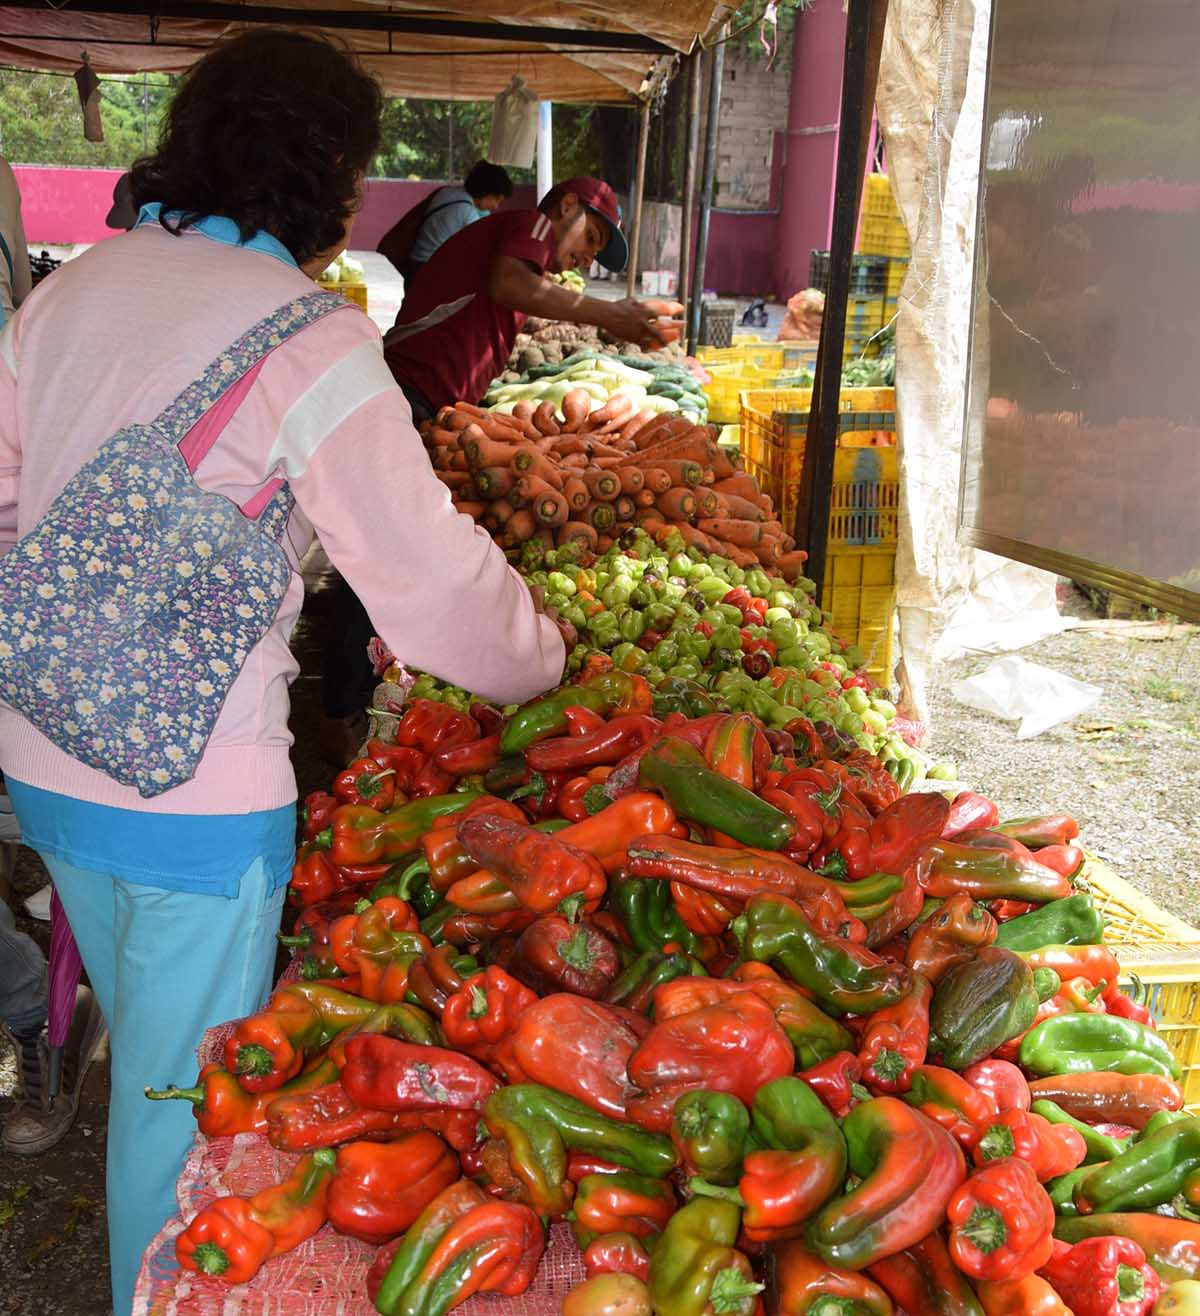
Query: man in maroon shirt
x=461, y=313
x=467, y=304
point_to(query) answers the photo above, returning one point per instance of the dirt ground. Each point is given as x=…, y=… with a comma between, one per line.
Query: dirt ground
x=1129, y=770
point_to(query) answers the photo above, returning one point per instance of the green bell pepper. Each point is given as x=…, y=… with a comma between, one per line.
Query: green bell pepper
x=711, y=1131
x=1093, y=1043
x=1100, y=1146
x=648, y=913
x=695, y=1264
x=547, y=716
x=540, y=1126
x=979, y=1004
x=1061, y=1190
x=844, y=977
x=1073, y=921
x=634, y=986
x=680, y=773
x=1145, y=1175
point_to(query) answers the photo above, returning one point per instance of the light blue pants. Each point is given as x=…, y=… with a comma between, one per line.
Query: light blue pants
x=165, y=966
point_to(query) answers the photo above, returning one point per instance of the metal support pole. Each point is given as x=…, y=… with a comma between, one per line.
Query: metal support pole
x=636, y=201
x=545, y=148
x=860, y=69
x=692, y=150
x=707, y=182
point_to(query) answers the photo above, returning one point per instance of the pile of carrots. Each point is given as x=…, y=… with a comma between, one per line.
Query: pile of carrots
x=575, y=474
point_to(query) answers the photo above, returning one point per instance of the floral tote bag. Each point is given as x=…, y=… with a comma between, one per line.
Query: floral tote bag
x=127, y=612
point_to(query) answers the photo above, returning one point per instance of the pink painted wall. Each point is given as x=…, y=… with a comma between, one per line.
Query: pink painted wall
x=64, y=206
x=806, y=204
x=67, y=205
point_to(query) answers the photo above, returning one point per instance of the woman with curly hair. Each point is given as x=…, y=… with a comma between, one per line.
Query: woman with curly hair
x=175, y=897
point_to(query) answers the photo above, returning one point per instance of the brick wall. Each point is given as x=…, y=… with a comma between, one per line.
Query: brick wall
x=754, y=107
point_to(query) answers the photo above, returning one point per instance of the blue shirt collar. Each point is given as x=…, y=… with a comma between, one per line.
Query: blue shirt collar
x=222, y=229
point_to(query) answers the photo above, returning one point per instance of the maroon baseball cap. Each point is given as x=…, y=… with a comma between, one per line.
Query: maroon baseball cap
x=600, y=199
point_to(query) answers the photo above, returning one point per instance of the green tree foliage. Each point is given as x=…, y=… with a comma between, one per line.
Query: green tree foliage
x=41, y=123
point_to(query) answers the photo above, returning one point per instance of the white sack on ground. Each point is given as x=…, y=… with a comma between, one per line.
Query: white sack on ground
x=951, y=599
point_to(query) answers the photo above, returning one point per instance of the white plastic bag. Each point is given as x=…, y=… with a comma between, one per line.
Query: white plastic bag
x=514, y=127
x=1038, y=696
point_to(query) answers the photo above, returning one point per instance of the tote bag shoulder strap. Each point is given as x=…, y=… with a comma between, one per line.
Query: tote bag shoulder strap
x=226, y=380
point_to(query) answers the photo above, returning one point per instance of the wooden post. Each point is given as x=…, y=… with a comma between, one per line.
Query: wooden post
x=639, y=183
x=690, y=164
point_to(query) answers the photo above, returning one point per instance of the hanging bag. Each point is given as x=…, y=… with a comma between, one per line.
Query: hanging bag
x=128, y=611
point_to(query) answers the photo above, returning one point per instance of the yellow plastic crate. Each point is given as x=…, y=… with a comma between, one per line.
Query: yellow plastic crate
x=1160, y=965
x=352, y=292
x=774, y=430
x=756, y=354
x=726, y=384
x=882, y=237
x=860, y=596
x=897, y=270
x=878, y=198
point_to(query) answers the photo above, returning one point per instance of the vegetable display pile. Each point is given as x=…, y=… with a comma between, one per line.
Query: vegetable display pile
x=558, y=473
x=549, y=342
x=656, y=386
x=711, y=636
x=770, y=1035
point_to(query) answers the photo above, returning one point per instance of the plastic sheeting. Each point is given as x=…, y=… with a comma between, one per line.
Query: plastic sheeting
x=951, y=599
x=449, y=68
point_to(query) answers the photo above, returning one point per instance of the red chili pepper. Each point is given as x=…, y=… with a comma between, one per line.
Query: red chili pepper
x=608, y=744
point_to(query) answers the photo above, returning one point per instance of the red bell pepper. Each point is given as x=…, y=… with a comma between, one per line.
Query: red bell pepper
x=1001, y=1223
x=329, y=1117
x=949, y=1100
x=314, y=878
x=315, y=813
x=383, y=1073
x=480, y=1018
x=735, y=1046
x=617, y=1254
x=366, y=782
x=896, y=1039
x=535, y=870
x=580, y=1047
x=468, y=760
x=1048, y=1149
x=403, y=760
x=231, y=1237
x=429, y=726
x=904, y=828
x=554, y=955
x=1103, y=1277
x=379, y=1189
x=969, y=812
x=1002, y=1082
x=837, y=1081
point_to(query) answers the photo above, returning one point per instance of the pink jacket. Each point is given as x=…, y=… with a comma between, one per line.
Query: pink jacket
x=114, y=336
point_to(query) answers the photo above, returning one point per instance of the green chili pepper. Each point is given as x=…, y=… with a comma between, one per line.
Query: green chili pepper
x=1091, y=1043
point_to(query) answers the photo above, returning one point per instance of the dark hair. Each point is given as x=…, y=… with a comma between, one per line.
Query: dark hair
x=271, y=130
x=488, y=180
